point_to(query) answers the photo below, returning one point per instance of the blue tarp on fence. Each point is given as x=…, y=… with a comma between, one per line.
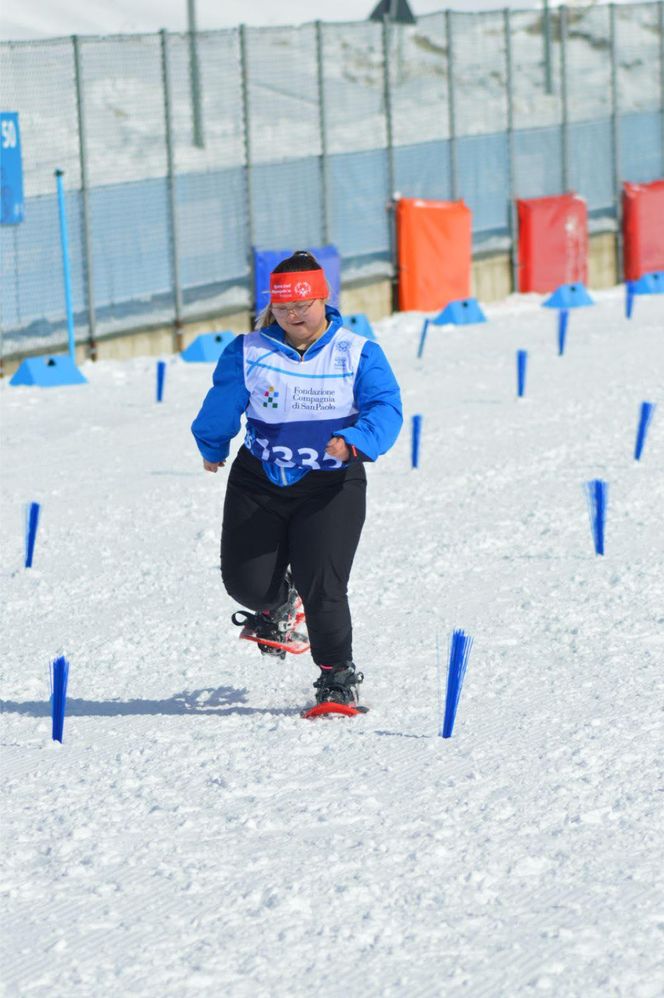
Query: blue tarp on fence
x=133, y=279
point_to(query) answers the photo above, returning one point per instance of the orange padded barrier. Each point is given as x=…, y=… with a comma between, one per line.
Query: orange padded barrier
x=643, y=228
x=553, y=242
x=434, y=241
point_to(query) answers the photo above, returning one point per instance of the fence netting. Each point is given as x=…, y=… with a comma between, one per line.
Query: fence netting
x=640, y=84
x=180, y=154
x=209, y=162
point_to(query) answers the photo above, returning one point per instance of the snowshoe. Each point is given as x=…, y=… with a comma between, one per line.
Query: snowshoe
x=336, y=692
x=276, y=631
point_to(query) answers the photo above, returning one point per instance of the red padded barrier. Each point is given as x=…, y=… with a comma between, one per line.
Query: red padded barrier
x=553, y=242
x=434, y=240
x=643, y=228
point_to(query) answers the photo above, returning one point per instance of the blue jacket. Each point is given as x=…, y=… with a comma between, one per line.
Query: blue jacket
x=375, y=392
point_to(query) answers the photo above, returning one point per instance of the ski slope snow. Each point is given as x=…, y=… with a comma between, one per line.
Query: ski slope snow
x=192, y=835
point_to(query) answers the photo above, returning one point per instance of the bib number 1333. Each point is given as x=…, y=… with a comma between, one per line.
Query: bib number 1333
x=308, y=457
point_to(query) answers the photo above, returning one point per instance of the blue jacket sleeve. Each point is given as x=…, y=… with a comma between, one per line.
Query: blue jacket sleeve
x=378, y=400
x=219, y=419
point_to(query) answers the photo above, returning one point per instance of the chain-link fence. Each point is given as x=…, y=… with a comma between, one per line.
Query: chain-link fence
x=182, y=153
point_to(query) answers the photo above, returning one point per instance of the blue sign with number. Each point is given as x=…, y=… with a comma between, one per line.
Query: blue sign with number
x=11, y=170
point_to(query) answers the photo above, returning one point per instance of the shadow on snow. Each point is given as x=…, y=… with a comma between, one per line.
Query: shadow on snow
x=223, y=701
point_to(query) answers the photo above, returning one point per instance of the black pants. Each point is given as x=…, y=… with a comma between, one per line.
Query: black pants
x=314, y=526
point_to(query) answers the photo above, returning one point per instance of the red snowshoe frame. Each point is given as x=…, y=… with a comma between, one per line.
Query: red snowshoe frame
x=297, y=644
x=329, y=707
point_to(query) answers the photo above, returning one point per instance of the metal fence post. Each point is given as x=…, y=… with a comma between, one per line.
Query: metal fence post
x=387, y=94
x=195, y=75
x=451, y=110
x=88, y=257
x=564, y=127
x=511, y=164
x=324, y=179
x=660, y=22
x=172, y=199
x=389, y=138
x=248, y=179
x=546, y=32
x=615, y=138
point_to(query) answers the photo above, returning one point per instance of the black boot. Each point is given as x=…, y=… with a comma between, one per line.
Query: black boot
x=273, y=625
x=338, y=684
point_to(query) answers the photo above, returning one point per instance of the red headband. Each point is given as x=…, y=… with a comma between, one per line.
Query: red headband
x=299, y=286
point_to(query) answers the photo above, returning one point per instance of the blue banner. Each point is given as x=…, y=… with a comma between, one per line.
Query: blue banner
x=11, y=170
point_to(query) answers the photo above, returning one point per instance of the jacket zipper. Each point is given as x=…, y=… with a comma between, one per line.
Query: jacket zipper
x=300, y=357
x=280, y=344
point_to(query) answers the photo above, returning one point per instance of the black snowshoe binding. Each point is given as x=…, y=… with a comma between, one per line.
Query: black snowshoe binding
x=339, y=685
x=276, y=626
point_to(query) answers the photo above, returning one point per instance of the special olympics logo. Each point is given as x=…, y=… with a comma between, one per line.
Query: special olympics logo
x=343, y=346
x=302, y=289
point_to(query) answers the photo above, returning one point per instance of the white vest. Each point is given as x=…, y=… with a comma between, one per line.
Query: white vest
x=295, y=405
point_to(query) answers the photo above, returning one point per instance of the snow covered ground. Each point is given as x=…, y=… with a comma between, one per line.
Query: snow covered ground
x=194, y=836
